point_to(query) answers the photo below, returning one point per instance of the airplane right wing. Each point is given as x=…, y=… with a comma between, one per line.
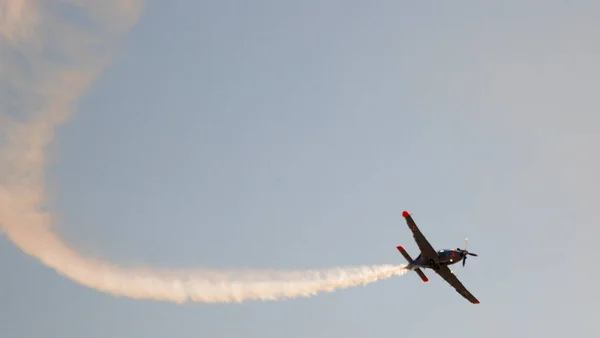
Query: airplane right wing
x=447, y=275
x=426, y=249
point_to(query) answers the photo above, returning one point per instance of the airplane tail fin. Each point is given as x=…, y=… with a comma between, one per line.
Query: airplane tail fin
x=410, y=261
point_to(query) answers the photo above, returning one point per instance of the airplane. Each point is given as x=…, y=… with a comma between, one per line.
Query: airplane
x=438, y=261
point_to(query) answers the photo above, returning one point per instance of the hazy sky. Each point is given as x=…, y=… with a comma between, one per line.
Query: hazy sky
x=279, y=134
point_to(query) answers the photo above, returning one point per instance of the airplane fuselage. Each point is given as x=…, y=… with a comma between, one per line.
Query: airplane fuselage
x=445, y=257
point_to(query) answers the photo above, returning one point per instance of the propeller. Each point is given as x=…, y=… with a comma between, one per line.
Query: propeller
x=464, y=253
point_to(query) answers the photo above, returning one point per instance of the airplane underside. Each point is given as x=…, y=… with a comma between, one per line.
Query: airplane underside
x=425, y=265
x=420, y=263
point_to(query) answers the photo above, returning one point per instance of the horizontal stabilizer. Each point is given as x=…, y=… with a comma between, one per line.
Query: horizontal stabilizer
x=410, y=261
x=405, y=254
x=422, y=275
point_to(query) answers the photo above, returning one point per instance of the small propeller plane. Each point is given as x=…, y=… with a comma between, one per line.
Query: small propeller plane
x=437, y=261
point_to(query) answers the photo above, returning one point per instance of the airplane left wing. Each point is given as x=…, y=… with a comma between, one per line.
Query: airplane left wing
x=426, y=249
x=447, y=275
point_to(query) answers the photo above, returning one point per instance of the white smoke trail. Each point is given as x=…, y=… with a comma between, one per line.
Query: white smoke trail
x=36, y=95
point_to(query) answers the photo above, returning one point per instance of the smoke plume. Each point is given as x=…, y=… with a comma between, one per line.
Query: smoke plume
x=46, y=63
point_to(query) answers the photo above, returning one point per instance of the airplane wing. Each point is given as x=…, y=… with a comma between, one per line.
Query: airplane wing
x=446, y=274
x=426, y=249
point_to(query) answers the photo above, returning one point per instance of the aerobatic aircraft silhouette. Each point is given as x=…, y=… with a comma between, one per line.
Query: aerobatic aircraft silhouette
x=438, y=261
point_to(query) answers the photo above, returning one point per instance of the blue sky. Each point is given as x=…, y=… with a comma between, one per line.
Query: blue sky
x=292, y=135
